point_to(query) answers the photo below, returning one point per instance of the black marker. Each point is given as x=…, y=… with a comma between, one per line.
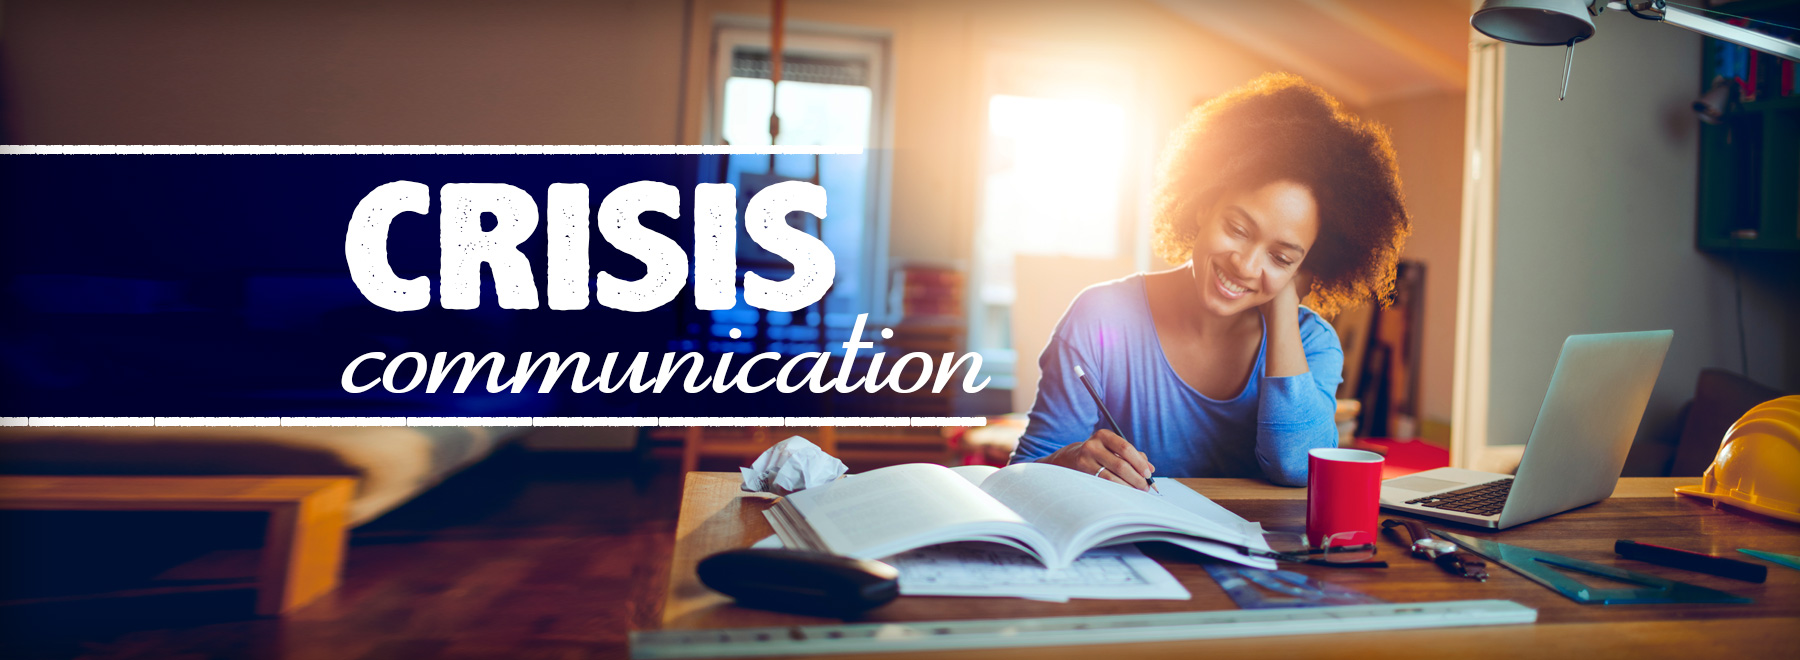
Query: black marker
x=1691, y=561
x=1110, y=422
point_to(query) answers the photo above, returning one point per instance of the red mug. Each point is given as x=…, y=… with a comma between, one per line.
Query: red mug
x=1343, y=496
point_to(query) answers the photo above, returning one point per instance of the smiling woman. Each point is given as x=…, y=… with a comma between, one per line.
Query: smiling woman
x=1268, y=194
x=1280, y=128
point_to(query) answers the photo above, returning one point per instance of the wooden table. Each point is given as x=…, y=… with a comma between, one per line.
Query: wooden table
x=303, y=545
x=715, y=516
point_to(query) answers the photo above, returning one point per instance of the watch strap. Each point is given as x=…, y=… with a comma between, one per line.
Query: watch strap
x=1466, y=564
x=1415, y=530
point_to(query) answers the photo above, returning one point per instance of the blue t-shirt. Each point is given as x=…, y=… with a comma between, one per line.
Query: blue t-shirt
x=1266, y=430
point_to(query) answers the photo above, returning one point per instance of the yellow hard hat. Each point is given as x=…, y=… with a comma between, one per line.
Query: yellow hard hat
x=1758, y=466
x=1786, y=409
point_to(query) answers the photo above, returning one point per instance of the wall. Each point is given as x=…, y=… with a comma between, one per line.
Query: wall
x=1594, y=228
x=339, y=72
x=1427, y=132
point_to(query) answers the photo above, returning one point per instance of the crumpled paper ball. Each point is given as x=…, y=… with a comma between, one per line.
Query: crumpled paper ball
x=792, y=465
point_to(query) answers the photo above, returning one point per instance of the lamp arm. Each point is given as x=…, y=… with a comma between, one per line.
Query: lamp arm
x=1718, y=29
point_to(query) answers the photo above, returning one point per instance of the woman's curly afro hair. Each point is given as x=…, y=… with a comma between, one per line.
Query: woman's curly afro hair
x=1282, y=128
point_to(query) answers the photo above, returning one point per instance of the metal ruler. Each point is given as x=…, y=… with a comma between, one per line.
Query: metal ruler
x=1073, y=630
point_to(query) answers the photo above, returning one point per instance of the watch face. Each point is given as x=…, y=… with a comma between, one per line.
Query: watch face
x=1433, y=547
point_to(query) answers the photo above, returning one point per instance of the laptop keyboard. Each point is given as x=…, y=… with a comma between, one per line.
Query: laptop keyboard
x=1481, y=499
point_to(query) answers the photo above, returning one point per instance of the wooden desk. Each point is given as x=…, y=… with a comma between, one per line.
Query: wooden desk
x=715, y=516
x=303, y=545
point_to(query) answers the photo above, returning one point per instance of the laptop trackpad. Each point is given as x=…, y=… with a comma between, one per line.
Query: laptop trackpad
x=1420, y=484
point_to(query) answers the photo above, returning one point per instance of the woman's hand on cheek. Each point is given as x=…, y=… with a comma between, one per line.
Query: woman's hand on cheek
x=1287, y=299
x=1281, y=319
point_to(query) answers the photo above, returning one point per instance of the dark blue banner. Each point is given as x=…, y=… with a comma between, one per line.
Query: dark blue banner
x=217, y=285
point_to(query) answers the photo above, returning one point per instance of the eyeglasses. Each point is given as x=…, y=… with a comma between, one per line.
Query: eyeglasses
x=1345, y=549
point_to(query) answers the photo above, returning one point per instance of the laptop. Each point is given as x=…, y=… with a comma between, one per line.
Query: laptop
x=1577, y=447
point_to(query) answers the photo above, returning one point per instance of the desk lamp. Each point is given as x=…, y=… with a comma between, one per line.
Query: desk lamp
x=1566, y=22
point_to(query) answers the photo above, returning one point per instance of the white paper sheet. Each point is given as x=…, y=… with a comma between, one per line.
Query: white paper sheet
x=984, y=569
x=791, y=466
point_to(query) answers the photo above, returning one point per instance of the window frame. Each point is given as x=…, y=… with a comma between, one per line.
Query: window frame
x=803, y=37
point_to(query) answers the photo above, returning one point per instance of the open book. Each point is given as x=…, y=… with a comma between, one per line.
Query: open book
x=1052, y=513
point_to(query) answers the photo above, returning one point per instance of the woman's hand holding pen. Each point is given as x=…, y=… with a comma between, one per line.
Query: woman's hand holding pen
x=1108, y=456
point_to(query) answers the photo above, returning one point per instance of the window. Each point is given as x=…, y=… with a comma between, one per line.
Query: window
x=1051, y=184
x=824, y=100
x=1054, y=155
x=831, y=95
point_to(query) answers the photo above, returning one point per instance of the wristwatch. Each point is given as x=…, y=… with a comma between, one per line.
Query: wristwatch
x=1441, y=552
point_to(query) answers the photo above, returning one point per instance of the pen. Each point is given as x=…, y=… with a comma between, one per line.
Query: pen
x=1110, y=422
x=1692, y=561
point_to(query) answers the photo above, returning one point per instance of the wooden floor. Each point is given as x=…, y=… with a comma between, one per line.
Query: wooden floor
x=522, y=556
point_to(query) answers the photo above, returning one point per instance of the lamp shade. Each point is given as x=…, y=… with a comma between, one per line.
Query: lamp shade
x=1534, y=22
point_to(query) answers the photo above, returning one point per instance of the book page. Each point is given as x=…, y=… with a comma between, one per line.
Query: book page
x=893, y=509
x=1077, y=511
x=975, y=473
x=1178, y=494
